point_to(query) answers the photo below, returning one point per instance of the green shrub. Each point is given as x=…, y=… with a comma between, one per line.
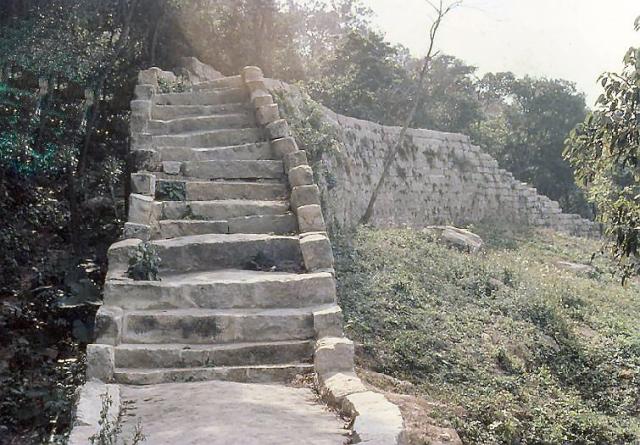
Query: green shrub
x=180, y=85
x=171, y=191
x=144, y=265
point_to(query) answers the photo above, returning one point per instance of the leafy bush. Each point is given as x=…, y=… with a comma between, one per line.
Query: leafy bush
x=144, y=265
x=41, y=364
x=180, y=85
x=513, y=350
x=604, y=151
x=171, y=191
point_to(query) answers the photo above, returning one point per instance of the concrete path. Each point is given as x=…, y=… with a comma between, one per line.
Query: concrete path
x=226, y=413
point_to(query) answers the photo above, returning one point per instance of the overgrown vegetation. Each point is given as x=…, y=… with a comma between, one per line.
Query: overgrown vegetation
x=513, y=349
x=312, y=132
x=522, y=122
x=144, y=264
x=110, y=431
x=67, y=73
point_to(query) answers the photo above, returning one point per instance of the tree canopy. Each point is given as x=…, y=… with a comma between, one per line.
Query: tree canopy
x=605, y=152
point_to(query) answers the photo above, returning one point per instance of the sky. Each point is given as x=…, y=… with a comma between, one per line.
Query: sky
x=575, y=40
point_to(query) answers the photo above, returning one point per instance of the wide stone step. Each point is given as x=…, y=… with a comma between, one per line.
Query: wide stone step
x=222, y=210
x=208, y=326
x=174, y=228
x=218, y=190
x=223, y=289
x=243, y=374
x=167, y=112
x=201, y=123
x=224, y=82
x=276, y=224
x=234, y=251
x=214, y=97
x=254, y=151
x=193, y=356
x=210, y=139
x=233, y=169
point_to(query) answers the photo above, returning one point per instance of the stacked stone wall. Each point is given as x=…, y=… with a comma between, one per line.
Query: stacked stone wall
x=437, y=178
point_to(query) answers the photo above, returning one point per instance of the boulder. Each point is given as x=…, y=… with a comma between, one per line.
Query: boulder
x=580, y=269
x=198, y=72
x=461, y=239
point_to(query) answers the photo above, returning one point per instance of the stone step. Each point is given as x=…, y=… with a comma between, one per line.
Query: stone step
x=217, y=326
x=223, y=289
x=254, y=151
x=213, y=97
x=263, y=169
x=234, y=251
x=276, y=224
x=219, y=190
x=210, y=139
x=193, y=356
x=222, y=210
x=168, y=112
x=224, y=82
x=174, y=228
x=243, y=374
x=201, y=123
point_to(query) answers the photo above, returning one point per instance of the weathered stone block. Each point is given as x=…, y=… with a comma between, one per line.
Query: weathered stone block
x=267, y=114
x=149, y=76
x=140, y=209
x=278, y=129
x=335, y=387
x=317, y=252
x=256, y=86
x=310, y=218
x=144, y=92
x=305, y=195
x=197, y=71
x=120, y=252
x=252, y=74
x=108, y=325
x=88, y=407
x=138, y=123
x=172, y=167
x=141, y=107
x=137, y=231
x=100, y=362
x=284, y=146
x=140, y=116
x=141, y=141
x=143, y=184
x=328, y=322
x=145, y=160
x=301, y=175
x=261, y=98
x=376, y=419
x=333, y=354
x=295, y=159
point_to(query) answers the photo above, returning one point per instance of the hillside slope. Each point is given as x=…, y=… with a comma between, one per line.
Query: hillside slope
x=509, y=346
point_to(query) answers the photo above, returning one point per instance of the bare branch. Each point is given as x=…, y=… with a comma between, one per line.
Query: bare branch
x=441, y=12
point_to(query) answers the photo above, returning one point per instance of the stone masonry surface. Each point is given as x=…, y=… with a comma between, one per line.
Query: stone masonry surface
x=437, y=178
x=247, y=293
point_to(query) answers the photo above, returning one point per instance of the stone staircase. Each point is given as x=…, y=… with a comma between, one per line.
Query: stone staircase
x=247, y=291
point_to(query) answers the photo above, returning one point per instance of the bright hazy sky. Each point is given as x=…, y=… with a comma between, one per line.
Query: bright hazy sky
x=575, y=40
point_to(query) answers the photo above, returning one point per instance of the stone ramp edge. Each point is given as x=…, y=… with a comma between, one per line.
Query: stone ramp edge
x=375, y=420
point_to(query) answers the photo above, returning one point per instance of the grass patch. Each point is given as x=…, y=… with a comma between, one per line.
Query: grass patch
x=514, y=349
